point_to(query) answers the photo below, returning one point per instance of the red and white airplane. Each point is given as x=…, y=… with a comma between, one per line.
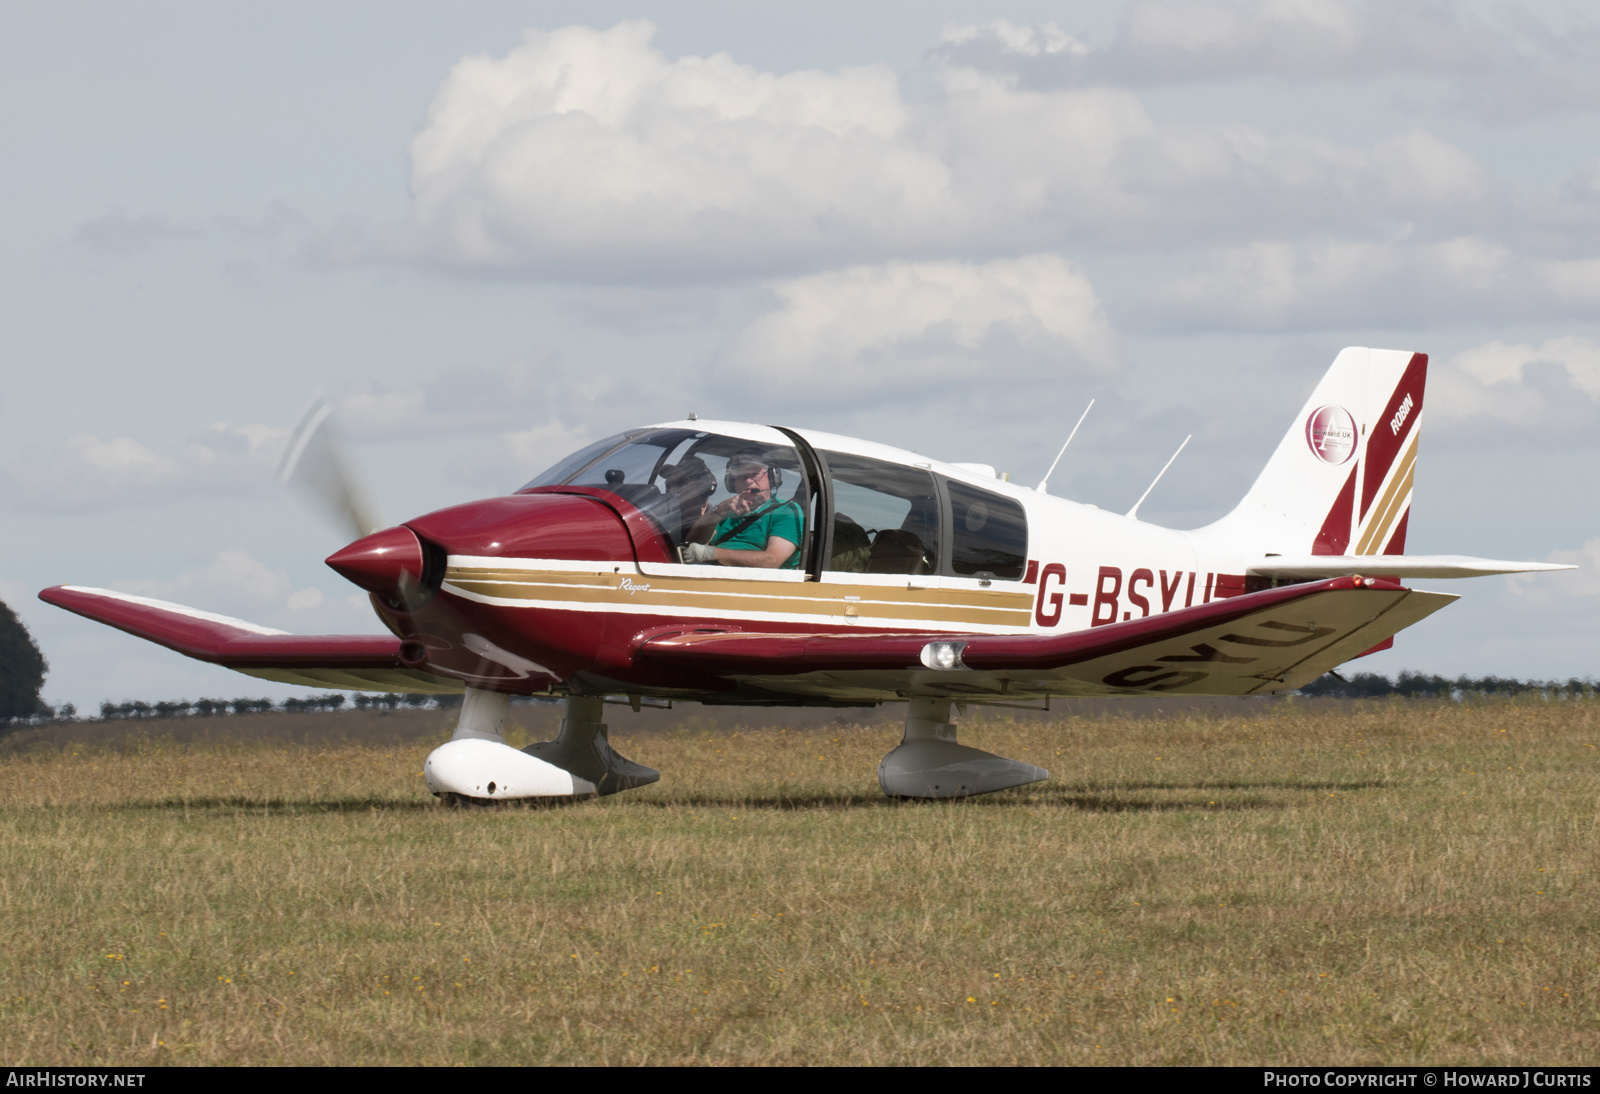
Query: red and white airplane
x=912, y=581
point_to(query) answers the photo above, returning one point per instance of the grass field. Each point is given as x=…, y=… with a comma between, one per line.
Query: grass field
x=1262, y=883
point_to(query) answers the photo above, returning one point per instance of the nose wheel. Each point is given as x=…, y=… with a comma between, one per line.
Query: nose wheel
x=476, y=767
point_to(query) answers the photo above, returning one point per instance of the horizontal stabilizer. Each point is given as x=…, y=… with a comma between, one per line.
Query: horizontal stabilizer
x=1258, y=643
x=346, y=662
x=1404, y=566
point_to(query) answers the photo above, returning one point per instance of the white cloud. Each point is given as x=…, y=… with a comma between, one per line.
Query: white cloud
x=541, y=447
x=304, y=599
x=91, y=473
x=461, y=400
x=582, y=139
x=501, y=426
x=1006, y=37
x=1546, y=387
x=587, y=153
x=234, y=578
x=1557, y=590
x=1331, y=283
x=236, y=583
x=1498, y=363
x=1504, y=67
x=909, y=326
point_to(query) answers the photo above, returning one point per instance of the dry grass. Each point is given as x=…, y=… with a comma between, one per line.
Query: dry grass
x=1390, y=883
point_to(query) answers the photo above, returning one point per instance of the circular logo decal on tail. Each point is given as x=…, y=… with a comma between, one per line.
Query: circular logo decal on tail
x=1331, y=433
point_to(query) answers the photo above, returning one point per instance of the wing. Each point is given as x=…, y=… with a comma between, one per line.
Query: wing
x=349, y=662
x=1269, y=641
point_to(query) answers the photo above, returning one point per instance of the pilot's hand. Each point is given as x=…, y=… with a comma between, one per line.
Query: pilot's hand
x=700, y=554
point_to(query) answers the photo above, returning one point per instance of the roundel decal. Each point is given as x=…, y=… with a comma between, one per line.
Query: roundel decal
x=1331, y=433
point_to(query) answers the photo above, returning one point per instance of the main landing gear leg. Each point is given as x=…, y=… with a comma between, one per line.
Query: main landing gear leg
x=930, y=764
x=477, y=766
x=584, y=748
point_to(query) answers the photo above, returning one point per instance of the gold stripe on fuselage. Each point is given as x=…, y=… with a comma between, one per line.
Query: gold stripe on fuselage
x=711, y=597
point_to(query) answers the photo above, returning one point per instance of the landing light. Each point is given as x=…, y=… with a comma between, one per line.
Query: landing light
x=943, y=656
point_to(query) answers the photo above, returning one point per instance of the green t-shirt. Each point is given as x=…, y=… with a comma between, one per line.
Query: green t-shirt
x=775, y=518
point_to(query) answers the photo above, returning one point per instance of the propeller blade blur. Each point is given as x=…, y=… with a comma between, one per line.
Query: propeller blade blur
x=315, y=464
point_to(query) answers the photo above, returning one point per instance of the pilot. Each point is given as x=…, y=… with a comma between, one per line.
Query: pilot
x=690, y=484
x=752, y=528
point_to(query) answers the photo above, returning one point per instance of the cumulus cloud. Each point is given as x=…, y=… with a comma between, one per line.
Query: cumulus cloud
x=502, y=425
x=1502, y=67
x=459, y=400
x=90, y=473
x=587, y=153
x=1557, y=590
x=1498, y=363
x=1553, y=387
x=1330, y=283
x=911, y=325
x=238, y=584
x=233, y=577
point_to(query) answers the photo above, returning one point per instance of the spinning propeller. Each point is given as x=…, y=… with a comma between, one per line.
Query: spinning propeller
x=314, y=463
x=392, y=563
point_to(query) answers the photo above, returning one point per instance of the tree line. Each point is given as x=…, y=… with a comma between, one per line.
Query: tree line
x=1364, y=685
x=211, y=708
x=1417, y=685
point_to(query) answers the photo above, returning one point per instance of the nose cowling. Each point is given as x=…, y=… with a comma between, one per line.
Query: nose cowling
x=389, y=563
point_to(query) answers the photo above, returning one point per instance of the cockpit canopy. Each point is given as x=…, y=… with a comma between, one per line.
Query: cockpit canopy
x=877, y=517
x=674, y=475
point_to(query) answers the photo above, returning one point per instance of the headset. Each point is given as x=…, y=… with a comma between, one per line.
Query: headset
x=749, y=455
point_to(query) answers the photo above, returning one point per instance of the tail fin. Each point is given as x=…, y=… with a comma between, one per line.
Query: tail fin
x=1340, y=480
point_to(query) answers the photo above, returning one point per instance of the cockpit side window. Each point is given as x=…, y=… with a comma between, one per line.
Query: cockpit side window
x=885, y=517
x=989, y=533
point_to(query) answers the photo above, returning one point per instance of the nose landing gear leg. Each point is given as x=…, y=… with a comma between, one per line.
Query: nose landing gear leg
x=583, y=747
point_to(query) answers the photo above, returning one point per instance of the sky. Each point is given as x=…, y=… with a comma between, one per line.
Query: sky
x=493, y=232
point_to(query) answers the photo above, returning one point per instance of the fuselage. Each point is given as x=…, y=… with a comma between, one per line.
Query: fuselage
x=554, y=587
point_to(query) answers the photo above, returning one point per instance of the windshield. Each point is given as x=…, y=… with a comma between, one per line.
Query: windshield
x=676, y=476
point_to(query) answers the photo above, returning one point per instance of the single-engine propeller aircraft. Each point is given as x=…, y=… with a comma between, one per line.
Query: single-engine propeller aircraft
x=728, y=563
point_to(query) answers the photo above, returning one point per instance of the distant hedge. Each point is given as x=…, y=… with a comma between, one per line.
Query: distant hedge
x=210, y=708
x=1417, y=685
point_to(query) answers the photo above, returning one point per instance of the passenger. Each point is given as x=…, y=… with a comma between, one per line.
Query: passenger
x=752, y=528
x=690, y=485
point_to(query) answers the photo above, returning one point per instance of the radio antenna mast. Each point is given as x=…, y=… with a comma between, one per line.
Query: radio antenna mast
x=1133, y=513
x=1041, y=487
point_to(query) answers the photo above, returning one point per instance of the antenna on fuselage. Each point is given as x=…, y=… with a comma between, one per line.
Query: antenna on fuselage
x=1133, y=513
x=1042, y=482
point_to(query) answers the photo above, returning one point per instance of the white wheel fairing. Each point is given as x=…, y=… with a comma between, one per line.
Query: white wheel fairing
x=497, y=772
